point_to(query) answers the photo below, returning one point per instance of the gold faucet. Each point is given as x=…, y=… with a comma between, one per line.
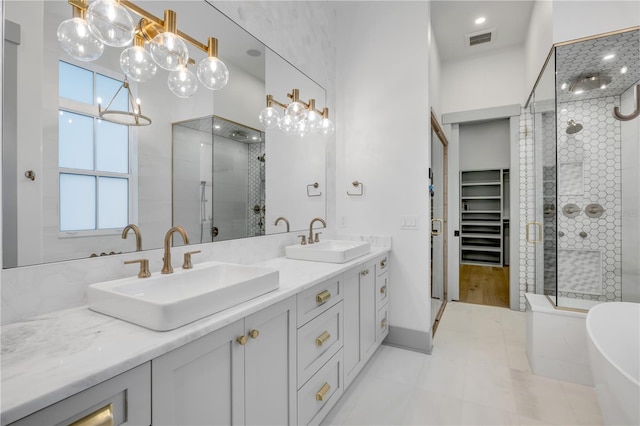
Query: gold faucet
x=311, y=240
x=136, y=231
x=284, y=219
x=166, y=266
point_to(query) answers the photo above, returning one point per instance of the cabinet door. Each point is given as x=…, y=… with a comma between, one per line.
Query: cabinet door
x=124, y=399
x=201, y=382
x=368, y=313
x=270, y=365
x=351, y=345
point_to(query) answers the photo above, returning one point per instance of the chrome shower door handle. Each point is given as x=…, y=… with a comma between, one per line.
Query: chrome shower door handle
x=528, y=235
x=433, y=231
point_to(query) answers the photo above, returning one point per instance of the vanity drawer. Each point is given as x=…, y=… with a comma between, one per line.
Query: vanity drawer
x=383, y=322
x=124, y=399
x=322, y=391
x=382, y=289
x=382, y=265
x=319, y=340
x=314, y=301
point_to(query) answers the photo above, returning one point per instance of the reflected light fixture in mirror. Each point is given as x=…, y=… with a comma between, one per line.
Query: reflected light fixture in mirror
x=108, y=22
x=128, y=118
x=299, y=118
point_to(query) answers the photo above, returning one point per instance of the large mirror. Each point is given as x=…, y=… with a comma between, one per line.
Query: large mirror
x=91, y=178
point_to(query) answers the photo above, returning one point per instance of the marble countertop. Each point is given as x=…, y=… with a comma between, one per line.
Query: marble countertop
x=51, y=357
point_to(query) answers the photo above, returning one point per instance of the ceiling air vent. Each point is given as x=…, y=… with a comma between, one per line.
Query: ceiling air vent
x=480, y=37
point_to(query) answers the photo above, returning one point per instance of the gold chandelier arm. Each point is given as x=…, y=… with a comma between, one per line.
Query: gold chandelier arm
x=80, y=7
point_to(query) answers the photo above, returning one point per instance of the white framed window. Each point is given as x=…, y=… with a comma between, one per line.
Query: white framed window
x=94, y=156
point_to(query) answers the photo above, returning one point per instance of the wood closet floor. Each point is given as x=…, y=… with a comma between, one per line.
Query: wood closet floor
x=484, y=285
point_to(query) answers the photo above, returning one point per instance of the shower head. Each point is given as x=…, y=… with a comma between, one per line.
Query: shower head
x=588, y=82
x=573, y=127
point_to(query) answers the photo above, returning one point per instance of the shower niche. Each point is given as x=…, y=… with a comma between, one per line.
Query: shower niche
x=580, y=155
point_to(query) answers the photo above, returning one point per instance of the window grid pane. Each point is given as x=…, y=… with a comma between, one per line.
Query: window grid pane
x=112, y=147
x=77, y=202
x=75, y=141
x=75, y=83
x=106, y=88
x=113, y=203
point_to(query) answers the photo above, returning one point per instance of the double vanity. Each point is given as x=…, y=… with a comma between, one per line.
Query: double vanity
x=276, y=342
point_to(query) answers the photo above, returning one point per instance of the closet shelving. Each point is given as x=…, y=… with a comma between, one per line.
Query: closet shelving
x=481, y=217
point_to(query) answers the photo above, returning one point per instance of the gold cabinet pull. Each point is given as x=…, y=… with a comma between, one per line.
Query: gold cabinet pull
x=322, y=297
x=242, y=340
x=323, y=392
x=365, y=272
x=383, y=289
x=254, y=334
x=383, y=323
x=383, y=263
x=101, y=417
x=322, y=338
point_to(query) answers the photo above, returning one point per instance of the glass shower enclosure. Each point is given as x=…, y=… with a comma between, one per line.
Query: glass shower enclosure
x=582, y=173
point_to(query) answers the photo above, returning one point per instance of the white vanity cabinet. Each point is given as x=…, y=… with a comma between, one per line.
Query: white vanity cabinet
x=320, y=341
x=122, y=400
x=365, y=292
x=243, y=373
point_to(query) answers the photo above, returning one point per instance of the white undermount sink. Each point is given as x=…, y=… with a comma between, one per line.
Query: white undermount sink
x=164, y=302
x=332, y=251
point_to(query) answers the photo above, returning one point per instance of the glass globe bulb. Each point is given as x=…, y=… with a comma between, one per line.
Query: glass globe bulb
x=314, y=121
x=76, y=39
x=287, y=125
x=169, y=51
x=213, y=73
x=110, y=23
x=137, y=64
x=182, y=82
x=302, y=128
x=269, y=117
x=296, y=111
x=327, y=127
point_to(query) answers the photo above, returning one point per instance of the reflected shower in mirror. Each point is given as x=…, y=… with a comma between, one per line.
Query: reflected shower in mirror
x=218, y=179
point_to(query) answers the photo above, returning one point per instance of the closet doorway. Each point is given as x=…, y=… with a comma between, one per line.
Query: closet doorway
x=438, y=194
x=484, y=212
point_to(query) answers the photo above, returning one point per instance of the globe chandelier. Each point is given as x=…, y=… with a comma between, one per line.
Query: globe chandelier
x=298, y=118
x=109, y=22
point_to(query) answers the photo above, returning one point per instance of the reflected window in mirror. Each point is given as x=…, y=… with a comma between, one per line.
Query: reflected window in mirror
x=95, y=179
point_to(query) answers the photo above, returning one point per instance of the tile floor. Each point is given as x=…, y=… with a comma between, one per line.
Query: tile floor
x=478, y=374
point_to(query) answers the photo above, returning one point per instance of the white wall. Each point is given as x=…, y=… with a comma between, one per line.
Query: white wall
x=490, y=80
x=572, y=20
x=485, y=145
x=435, y=67
x=538, y=43
x=383, y=141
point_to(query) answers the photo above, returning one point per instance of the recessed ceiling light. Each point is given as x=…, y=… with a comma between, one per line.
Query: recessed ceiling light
x=609, y=56
x=604, y=86
x=254, y=52
x=623, y=70
x=480, y=20
x=578, y=92
x=216, y=126
x=564, y=86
